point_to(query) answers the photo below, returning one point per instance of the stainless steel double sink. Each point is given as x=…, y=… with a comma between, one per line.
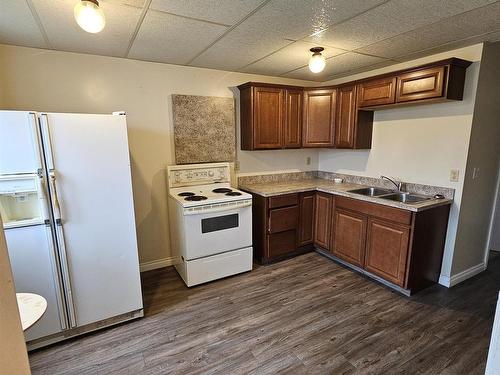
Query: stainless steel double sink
x=390, y=195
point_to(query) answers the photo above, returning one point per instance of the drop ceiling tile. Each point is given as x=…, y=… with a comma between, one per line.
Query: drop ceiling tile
x=226, y=12
x=17, y=25
x=453, y=29
x=391, y=19
x=268, y=29
x=172, y=39
x=338, y=66
x=291, y=57
x=64, y=33
x=131, y=3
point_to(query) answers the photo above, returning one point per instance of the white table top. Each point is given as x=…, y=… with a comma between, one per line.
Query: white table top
x=31, y=308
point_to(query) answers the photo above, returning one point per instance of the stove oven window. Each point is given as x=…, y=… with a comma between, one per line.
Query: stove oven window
x=217, y=223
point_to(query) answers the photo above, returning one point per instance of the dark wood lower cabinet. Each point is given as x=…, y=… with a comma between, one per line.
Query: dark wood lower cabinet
x=404, y=248
x=322, y=220
x=306, y=218
x=282, y=226
x=350, y=236
x=387, y=250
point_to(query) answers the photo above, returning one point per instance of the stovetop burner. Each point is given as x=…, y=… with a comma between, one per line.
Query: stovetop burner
x=186, y=194
x=233, y=193
x=222, y=190
x=195, y=198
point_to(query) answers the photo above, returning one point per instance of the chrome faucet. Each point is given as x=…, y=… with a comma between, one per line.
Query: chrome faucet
x=399, y=184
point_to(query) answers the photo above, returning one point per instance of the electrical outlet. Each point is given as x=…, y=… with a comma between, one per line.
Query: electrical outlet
x=308, y=160
x=236, y=165
x=454, y=174
x=475, y=173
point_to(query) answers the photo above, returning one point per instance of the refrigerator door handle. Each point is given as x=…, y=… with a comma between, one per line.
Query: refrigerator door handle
x=42, y=188
x=66, y=275
x=63, y=317
x=44, y=129
x=35, y=136
x=55, y=199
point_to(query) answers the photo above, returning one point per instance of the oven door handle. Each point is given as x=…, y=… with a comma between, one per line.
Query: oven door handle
x=216, y=208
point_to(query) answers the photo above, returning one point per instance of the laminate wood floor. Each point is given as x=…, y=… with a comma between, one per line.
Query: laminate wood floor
x=306, y=315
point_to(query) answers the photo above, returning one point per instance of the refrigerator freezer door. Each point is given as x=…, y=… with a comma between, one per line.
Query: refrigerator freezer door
x=94, y=190
x=35, y=271
x=19, y=149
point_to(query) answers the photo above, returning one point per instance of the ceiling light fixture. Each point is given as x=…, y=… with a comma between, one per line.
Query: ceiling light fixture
x=89, y=16
x=317, y=61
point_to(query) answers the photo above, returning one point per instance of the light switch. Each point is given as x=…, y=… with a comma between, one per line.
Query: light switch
x=308, y=160
x=454, y=174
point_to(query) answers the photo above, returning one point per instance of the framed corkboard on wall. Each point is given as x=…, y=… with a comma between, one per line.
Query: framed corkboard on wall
x=204, y=129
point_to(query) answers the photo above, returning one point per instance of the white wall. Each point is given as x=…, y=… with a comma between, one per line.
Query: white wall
x=43, y=80
x=479, y=194
x=418, y=144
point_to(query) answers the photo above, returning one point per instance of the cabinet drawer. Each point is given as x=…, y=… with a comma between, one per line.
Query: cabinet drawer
x=377, y=92
x=422, y=84
x=281, y=243
x=283, y=200
x=372, y=209
x=283, y=219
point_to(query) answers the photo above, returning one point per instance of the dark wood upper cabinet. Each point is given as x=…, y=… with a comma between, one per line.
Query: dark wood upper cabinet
x=387, y=250
x=353, y=128
x=421, y=84
x=268, y=117
x=281, y=116
x=350, y=236
x=293, y=118
x=319, y=118
x=306, y=218
x=377, y=92
x=322, y=222
x=346, y=117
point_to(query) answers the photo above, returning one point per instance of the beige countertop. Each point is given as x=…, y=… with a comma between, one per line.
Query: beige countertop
x=269, y=189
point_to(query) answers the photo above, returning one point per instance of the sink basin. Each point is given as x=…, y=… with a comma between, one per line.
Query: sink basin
x=371, y=191
x=405, y=197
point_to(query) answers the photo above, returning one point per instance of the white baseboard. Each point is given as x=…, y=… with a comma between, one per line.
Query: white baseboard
x=159, y=263
x=449, y=281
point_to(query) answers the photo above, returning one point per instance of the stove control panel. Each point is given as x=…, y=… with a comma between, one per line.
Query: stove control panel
x=198, y=176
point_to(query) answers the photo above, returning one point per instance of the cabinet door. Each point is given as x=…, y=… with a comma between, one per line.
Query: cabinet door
x=306, y=219
x=319, y=118
x=387, y=250
x=322, y=220
x=421, y=84
x=350, y=236
x=377, y=92
x=293, y=118
x=345, y=125
x=268, y=118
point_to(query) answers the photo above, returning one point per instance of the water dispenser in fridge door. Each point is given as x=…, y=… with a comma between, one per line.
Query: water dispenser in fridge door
x=20, y=201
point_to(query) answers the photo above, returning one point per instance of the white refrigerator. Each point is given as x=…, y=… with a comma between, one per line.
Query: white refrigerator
x=67, y=206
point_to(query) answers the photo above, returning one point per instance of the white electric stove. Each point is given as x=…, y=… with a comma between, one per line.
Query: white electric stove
x=210, y=222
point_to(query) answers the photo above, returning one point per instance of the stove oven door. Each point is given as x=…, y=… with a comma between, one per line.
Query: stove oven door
x=219, y=231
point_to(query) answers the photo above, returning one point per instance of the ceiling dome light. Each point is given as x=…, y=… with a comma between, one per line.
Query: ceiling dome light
x=317, y=61
x=89, y=16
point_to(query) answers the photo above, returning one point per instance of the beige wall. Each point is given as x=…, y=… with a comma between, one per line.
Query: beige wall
x=42, y=80
x=418, y=144
x=479, y=194
x=13, y=357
